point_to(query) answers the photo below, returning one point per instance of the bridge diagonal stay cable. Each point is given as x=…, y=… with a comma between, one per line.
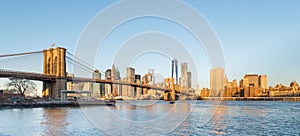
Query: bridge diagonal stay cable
x=80, y=60
x=82, y=68
x=80, y=63
x=91, y=69
x=83, y=61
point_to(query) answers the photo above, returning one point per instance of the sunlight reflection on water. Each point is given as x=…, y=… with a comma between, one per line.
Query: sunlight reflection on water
x=230, y=118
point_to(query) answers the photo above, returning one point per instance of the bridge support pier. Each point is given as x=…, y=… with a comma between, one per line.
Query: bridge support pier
x=52, y=90
x=111, y=91
x=169, y=96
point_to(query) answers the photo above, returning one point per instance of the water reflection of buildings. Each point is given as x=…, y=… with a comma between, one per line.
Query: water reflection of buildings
x=55, y=121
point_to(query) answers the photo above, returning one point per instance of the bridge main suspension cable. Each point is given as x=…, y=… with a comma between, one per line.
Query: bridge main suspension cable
x=69, y=58
x=20, y=54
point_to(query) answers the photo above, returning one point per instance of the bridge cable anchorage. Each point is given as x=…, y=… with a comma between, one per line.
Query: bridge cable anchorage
x=20, y=54
x=83, y=61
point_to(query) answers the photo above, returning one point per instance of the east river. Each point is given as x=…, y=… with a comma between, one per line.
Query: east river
x=157, y=118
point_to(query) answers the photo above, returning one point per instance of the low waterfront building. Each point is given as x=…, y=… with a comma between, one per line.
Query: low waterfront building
x=285, y=91
x=205, y=92
x=254, y=85
x=231, y=89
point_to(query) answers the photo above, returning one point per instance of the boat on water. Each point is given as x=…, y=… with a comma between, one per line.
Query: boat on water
x=118, y=98
x=110, y=102
x=172, y=102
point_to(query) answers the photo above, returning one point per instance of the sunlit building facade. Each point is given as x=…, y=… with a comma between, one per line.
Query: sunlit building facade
x=217, y=79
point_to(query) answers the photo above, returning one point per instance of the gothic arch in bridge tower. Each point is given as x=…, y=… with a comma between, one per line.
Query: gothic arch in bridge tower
x=55, y=65
x=48, y=66
x=55, y=62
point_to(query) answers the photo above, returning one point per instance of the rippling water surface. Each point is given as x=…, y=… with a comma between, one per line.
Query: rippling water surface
x=157, y=118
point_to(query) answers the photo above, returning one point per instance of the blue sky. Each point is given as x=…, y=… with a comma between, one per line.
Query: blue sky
x=256, y=36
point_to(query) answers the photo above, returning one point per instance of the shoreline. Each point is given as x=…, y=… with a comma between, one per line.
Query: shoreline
x=55, y=104
x=292, y=99
x=58, y=104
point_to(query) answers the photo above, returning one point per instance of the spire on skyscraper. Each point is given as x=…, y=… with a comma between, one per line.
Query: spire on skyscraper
x=174, y=70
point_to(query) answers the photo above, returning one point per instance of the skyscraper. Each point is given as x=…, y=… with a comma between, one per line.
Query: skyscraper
x=118, y=75
x=96, y=86
x=151, y=77
x=130, y=74
x=108, y=74
x=175, y=70
x=184, y=77
x=108, y=90
x=217, y=79
x=113, y=73
x=114, y=77
x=189, y=80
x=137, y=90
x=148, y=79
x=130, y=78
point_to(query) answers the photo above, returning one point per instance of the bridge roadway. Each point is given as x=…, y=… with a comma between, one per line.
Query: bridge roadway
x=52, y=78
x=27, y=75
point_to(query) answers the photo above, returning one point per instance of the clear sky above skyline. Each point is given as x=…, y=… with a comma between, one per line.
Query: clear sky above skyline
x=256, y=36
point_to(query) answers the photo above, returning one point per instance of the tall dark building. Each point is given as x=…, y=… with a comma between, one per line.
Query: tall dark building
x=175, y=70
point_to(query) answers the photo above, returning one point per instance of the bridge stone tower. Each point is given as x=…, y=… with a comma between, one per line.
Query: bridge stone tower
x=55, y=65
x=169, y=84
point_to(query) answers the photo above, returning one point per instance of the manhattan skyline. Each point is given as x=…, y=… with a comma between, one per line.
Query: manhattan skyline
x=257, y=37
x=149, y=67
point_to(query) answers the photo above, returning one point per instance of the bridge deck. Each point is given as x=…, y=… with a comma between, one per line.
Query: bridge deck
x=27, y=75
x=52, y=78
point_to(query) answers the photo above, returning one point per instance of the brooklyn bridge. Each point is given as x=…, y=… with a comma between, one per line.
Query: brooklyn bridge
x=54, y=75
